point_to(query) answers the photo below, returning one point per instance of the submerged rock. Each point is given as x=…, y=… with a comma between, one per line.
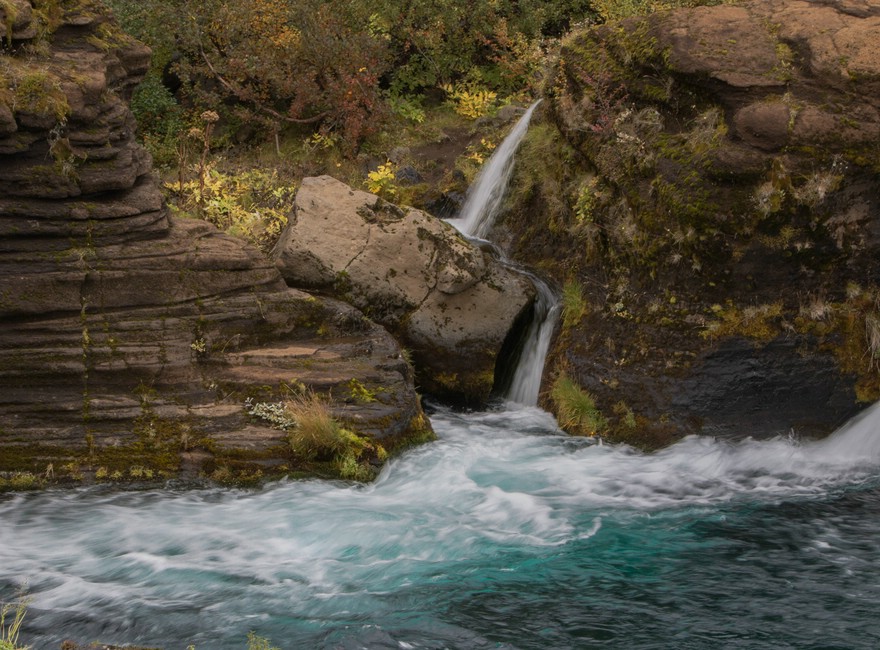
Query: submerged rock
x=132, y=341
x=448, y=301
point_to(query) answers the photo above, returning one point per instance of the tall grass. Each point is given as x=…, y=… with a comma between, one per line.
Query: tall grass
x=574, y=306
x=575, y=408
x=9, y=633
x=319, y=436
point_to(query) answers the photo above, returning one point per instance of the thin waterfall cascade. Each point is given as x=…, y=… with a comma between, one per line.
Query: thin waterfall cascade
x=475, y=222
x=526, y=382
x=485, y=196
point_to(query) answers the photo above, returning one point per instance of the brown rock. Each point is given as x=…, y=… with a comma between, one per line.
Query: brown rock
x=132, y=341
x=733, y=237
x=764, y=125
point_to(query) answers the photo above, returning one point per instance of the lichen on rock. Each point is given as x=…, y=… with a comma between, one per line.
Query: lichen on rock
x=448, y=301
x=131, y=340
x=718, y=160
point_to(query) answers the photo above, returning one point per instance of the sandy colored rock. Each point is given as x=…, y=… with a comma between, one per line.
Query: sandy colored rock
x=447, y=300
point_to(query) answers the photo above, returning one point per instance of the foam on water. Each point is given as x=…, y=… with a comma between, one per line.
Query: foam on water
x=501, y=493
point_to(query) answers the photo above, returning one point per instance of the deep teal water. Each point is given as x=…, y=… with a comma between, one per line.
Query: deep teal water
x=503, y=534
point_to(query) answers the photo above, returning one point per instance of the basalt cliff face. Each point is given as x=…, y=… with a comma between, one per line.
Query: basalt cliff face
x=711, y=209
x=130, y=341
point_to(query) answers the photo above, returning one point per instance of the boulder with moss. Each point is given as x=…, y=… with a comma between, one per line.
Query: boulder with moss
x=707, y=183
x=134, y=345
x=449, y=302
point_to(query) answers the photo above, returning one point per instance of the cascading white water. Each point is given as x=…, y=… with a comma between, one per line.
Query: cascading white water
x=857, y=439
x=476, y=221
x=526, y=382
x=485, y=196
x=502, y=534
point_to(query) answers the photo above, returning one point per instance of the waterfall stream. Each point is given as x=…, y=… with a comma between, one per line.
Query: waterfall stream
x=485, y=197
x=526, y=382
x=504, y=533
x=476, y=220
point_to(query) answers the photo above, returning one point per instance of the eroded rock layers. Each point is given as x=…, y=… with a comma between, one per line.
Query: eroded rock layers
x=131, y=340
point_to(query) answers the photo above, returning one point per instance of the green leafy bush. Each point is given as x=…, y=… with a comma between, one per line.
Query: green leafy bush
x=252, y=204
x=160, y=118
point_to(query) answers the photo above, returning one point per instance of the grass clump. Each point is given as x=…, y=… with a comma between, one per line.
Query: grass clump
x=318, y=436
x=576, y=409
x=574, y=306
x=315, y=436
x=9, y=632
x=20, y=481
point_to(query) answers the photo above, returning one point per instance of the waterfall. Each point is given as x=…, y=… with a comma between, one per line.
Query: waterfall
x=526, y=382
x=475, y=221
x=485, y=196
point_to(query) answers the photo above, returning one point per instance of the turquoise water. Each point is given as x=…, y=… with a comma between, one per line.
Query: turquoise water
x=503, y=534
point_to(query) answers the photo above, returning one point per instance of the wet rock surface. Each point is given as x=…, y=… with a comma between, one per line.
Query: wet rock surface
x=720, y=219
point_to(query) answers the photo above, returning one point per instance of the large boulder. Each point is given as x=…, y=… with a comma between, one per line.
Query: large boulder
x=449, y=302
x=719, y=234
x=133, y=344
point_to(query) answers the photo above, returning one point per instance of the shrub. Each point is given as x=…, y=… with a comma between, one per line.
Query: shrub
x=381, y=181
x=575, y=408
x=470, y=100
x=251, y=204
x=160, y=119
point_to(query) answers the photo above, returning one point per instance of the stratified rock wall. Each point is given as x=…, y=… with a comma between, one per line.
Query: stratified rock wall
x=128, y=338
x=721, y=221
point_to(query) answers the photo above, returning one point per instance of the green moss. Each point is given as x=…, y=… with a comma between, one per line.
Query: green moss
x=37, y=92
x=21, y=481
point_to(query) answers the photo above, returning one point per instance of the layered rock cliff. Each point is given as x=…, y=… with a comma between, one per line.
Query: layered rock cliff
x=131, y=342
x=710, y=206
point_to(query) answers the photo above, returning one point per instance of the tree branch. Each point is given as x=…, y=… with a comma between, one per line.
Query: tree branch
x=260, y=107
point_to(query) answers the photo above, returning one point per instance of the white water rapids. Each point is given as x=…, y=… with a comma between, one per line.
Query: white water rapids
x=390, y=565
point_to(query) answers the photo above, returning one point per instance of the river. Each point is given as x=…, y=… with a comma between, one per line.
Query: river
x=504, y=533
